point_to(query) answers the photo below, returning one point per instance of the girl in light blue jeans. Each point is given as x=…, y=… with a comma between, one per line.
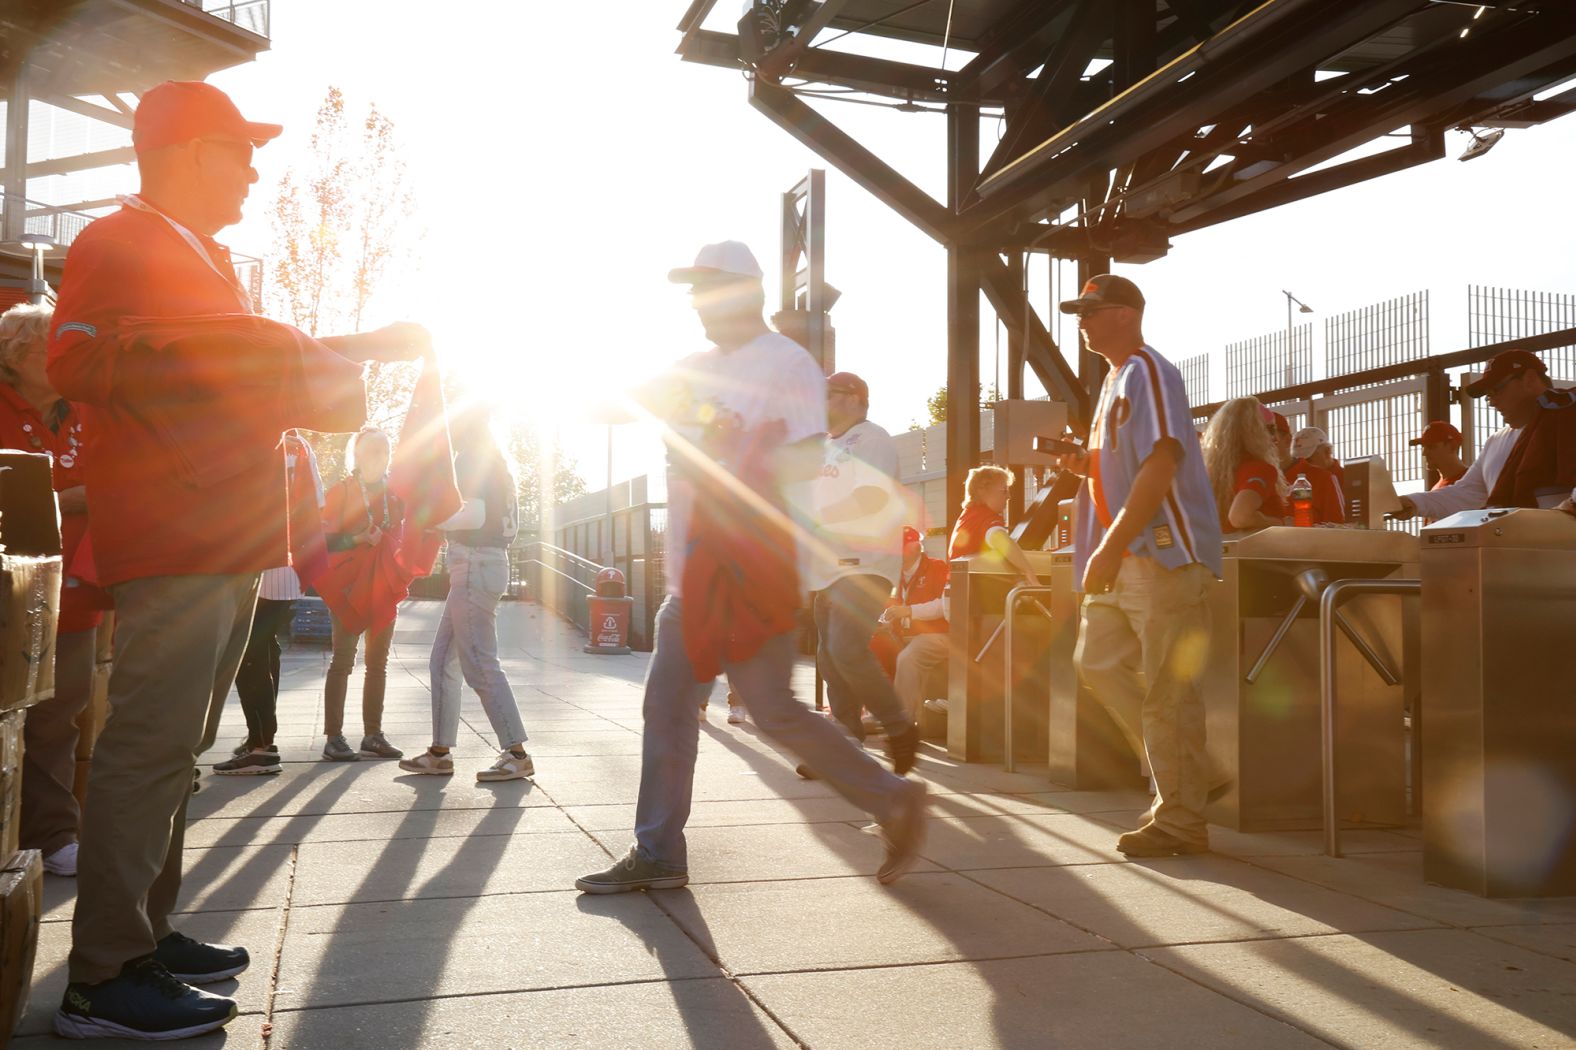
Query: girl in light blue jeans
x=466, y=647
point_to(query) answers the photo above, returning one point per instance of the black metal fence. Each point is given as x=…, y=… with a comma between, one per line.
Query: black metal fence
x=1275, y=360
x=1385, y=333
x=1195, y=376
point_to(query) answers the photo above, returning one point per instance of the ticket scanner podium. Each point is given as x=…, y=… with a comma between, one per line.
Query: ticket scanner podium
x=1499, y=702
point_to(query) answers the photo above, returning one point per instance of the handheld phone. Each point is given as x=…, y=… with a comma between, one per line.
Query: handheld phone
x=1056, y=447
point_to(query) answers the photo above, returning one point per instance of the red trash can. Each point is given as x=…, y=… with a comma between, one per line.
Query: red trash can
x=609, y=622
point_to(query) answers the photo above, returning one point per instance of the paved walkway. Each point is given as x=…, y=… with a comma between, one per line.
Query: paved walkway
x=388, y=911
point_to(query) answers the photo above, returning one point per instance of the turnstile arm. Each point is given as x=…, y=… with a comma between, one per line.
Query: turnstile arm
x=1023, y=590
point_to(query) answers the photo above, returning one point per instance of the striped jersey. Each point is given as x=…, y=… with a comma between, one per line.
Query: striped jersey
x=1141, y=403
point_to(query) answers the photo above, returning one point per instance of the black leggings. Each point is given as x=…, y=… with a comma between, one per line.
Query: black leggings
x=257, y=680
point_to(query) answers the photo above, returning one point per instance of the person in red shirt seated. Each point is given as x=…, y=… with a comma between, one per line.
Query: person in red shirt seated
x=1314, y=458
x=916, y=623
x=982, y=527
x=1239, y=452
x=34, y=418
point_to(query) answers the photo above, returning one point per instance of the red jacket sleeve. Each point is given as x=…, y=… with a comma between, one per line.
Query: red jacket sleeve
x=97, y=289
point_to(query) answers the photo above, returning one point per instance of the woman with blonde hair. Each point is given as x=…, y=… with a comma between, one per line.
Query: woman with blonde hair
x=360, y=515
x=1239, y=452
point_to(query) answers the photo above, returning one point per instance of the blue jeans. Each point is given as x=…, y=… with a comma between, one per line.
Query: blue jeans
x=467, y=645
x=672, y=736
x=847, y=616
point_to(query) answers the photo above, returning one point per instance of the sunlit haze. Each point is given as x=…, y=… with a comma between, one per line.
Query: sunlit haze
x=565, y=159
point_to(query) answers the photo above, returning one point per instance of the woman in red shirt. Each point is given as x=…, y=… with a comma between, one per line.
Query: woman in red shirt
x=34, y=418
x=1239, y=452
x=360, y=515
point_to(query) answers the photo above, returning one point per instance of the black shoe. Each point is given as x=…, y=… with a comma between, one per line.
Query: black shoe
x=252, y=763
x=904, y=748
x=145, y=1003
x=337, y=750
x=197, y=963
x=1150, y=841
x=805, y=772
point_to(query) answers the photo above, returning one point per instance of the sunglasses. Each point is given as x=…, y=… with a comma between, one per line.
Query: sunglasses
x=242, y=150
x=1100, y=309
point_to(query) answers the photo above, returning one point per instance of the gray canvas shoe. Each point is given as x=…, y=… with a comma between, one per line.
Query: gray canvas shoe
x=376, y=745
x=337, y=750
x=635, y=871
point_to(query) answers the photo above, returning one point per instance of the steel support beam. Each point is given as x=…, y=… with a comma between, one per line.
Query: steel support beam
x=15, y=175
x=839, y=148
x=1248, y=57
x=1005, y=291
x=121, y=117
x=963, y=312
x=1017, y=47
x=878, y=76
x=61, y=165
x=785, y=58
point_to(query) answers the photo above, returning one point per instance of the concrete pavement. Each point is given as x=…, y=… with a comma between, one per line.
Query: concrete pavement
x=387, y=911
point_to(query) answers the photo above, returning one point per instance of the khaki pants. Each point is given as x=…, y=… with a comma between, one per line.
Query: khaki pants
x=336, y=684
x=922, y=655
x=178, y=642
x=1141, y=651
x=49, y=755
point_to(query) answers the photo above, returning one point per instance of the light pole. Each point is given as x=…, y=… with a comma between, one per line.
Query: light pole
x=35, y=245
x=1291, y=333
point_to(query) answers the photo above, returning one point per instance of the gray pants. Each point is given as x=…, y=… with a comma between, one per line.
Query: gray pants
x=178, y=642
x=467, y=646
x=1141, y=651
x=49, y=750
x=847, y=615
x=672, y=736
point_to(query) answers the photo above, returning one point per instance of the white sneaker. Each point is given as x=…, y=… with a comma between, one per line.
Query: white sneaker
x=508, y=767
x=736, y=715
x=63, y=861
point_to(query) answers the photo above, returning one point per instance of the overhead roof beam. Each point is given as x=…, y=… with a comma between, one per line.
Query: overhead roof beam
x=878, y=76
x=1247, y=57
x=785, y=57
x=1017, y=46
x=79, y=162
x=794, y=116
x=1040, y=352
x=121, y=116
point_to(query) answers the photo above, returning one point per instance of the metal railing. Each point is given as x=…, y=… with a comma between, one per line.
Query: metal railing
x=1255, y=364
x=558, y=579
x=250, y=15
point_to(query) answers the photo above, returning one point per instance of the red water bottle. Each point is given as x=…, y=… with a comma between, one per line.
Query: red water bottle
x=1302, y=502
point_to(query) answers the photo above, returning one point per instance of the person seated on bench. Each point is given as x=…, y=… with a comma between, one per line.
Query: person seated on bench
x=916, y=623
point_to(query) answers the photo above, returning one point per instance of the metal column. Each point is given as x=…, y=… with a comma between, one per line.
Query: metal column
x=963, y=311
x=12, y=224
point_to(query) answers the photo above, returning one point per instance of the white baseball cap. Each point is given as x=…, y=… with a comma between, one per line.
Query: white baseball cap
x=1307, y=441
x=722, y=260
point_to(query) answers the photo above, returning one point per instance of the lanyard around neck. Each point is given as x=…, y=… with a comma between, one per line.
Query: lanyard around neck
x=196, y=245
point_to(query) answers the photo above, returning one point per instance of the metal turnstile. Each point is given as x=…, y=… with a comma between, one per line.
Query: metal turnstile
x=1499, y=702
x=1261, y=678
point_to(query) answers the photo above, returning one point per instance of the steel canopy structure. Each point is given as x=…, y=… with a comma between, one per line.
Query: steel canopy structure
x=1128, y=122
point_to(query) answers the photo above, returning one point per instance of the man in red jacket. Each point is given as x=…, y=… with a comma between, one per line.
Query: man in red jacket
x=181, y=528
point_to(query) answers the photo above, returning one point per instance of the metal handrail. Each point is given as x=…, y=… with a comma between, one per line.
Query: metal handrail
x=571, y=555
x=1329, y=602
x=1023, y=590
x=557, y=572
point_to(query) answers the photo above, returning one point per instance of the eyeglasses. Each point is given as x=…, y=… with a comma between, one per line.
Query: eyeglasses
x=1100, y=309
x=1503, y=383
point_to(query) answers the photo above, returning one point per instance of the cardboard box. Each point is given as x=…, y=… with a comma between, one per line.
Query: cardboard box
x=21, y=907
x=30, y=574
x=29, y=610
x=10, y=780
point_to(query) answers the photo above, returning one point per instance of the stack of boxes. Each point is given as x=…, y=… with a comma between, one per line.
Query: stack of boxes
x=29, y=607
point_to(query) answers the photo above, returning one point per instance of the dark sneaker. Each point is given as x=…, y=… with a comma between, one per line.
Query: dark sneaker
x=252, y=763
x=144, y=1003
x=246, y=745
x=337, y=750
x=904, y=748
x=904, y=834
x=805, y=772
x=1150, y=841
x=197, y=963
x=635, y=872
x=377, y=745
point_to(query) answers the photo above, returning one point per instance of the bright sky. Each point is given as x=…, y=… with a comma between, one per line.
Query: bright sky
x=565, y=160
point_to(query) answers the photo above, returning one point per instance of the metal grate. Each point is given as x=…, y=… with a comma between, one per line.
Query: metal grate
x=1381, y=426
x=1385, y=333
x=1498, y=315
x=1195, y=377
x=1265, y=363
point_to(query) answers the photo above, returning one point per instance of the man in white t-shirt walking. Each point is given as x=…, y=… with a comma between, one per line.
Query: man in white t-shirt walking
x=855, y=559
x=752, y=381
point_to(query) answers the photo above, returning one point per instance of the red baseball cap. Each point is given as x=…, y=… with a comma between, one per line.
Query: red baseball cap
x=1435, y=432
x=911, y=535
x=848, y=383
x=178, y=111
x=1509, y=365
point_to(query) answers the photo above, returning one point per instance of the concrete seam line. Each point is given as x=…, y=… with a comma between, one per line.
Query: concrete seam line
x=279, y=951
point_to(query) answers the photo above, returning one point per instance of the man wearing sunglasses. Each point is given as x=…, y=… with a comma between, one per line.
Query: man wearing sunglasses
x=1515, y=467
x=182, y=522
